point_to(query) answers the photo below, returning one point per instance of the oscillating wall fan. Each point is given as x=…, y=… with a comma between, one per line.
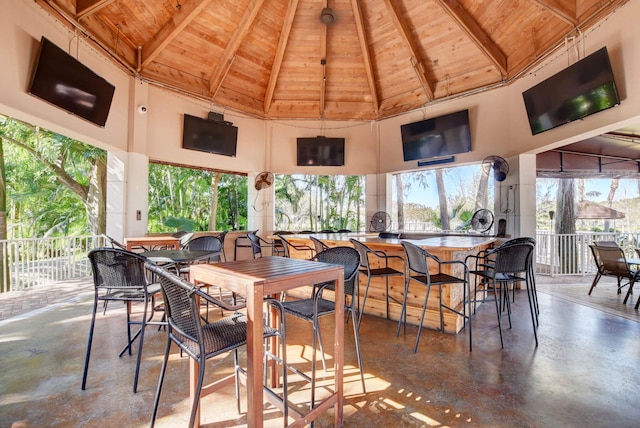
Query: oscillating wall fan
x=263, y=180
x=380, y=222
x=482, y=220
x=497, y=166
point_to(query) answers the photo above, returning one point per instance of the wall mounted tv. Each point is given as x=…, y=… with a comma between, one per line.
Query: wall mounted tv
x=320, y=151
x=65, y=82
x=209, y=136
x=436, y=137
x=582, y=89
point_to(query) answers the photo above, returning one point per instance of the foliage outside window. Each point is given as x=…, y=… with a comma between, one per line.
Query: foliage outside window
x=195, y=199
x=440, y=199
x=55, y=185
x=319, y=202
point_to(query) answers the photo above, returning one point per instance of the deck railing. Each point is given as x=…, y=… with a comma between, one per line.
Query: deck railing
x=33, y=261
x=29, y=262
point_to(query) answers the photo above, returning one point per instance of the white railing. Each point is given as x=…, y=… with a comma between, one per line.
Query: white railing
x=34, y=261
x=571, y=255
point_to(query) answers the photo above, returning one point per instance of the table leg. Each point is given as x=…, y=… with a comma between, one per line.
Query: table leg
x=255, y=354
x=339, y=349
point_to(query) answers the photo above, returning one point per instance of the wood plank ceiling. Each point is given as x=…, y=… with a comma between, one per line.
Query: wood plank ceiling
x=378, y=58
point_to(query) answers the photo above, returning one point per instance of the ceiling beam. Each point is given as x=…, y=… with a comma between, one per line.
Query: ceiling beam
x=416, y=60
x=232, y=47
x=362, y=39
x=186, y=13
x=470, y=26
x=87, y=7
x=323, y=60
x=560, y=10
x=277, y=60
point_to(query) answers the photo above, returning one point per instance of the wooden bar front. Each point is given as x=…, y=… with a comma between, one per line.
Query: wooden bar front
x=445, y=247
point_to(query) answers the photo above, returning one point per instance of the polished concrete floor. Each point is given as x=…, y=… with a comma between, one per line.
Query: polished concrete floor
x=584, y=373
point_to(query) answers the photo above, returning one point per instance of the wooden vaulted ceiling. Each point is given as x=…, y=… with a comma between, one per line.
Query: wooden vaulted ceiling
x=379, y=58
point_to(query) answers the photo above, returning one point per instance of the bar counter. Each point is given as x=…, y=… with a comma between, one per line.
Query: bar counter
x=445, y=247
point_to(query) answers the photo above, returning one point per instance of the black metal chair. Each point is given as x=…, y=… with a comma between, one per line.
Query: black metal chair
x=506, y=264
x=221, y=236
x=389, y=235
x=288, y=247
x=205, y=341
x=183, y=237
x=418, y=270
x=382, y=271
x=318, y=245
x=311, y=309
x=120, y=275
x=612, y=262
x=259, y=244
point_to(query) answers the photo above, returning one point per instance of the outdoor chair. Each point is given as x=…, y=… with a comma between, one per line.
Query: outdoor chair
x=318, y=245
x=289, y=247
x=203, y=341
x=612, y=262
x=183, y=237
x=114, y=243
x=389, y=235
x=221, y=236
x=259, y=244
x=418, y=271
x=119, y=275
x=378, y=269
x=204, y=243
x=313, y=308
x=506, y=264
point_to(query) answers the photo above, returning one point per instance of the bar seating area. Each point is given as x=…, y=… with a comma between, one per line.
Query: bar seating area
x=520, y=385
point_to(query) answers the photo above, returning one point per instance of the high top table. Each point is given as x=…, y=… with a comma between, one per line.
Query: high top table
x=150, y=242
x=259, y=278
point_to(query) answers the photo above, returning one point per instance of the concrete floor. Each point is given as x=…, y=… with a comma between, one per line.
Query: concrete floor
x=584, y=373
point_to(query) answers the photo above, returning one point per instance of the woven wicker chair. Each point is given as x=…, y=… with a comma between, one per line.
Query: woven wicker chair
x=119, y=275
x=318, y=245
x=204, y=341
x=506, y=264
x=311, y=309
x=418, y=271
x=288, y=247
x=384, y=271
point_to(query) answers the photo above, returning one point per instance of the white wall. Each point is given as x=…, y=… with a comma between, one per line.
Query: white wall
x=498, y=118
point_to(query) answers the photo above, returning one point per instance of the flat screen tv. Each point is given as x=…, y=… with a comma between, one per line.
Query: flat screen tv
x=436, y=137
x=209, y=136
x=582, y=89
x=320, y=151
x=65, y=82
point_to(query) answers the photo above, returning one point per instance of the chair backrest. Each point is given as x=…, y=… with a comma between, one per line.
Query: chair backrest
x=512, y=257
x=114, y=268
x=349, y=258
x=182, y=309
x=206, y=243
x=364, y=253
x=114, y=243
x=286, y=246
x=612, y=259
x=388, y=235
x=318, y=245
x=256, y=245
x=417, y=258
x=183, y=237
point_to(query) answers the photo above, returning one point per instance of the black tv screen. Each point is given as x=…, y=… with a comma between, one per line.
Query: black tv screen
x=436, y=137
x=580, y=90
x=320, y=151
x=65, y=82
x=209, y=136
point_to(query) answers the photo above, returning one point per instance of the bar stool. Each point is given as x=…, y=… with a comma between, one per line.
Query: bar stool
x=385, y=271
x=418, y=260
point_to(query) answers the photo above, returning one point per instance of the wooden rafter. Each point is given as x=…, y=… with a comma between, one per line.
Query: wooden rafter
x=362, y=39
x=87, y=7
x=405, y=33
x=476, y=33
x=323, y=57
x=232, y=47
x=188, y=11
x=560, y=10
x=277, y=60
